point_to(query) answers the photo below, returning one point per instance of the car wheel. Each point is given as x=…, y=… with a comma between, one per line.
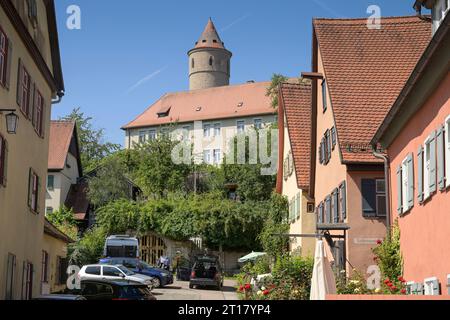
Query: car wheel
x=157, y=283
x=191, y=286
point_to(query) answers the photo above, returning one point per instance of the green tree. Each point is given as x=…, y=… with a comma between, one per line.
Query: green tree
x=93, y=148
x=272, y=91
x=89, y=248
x=65, y=221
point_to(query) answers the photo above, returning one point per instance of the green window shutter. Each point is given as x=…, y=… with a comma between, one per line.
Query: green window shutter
x=410, y=181
x=440, y=158
x=420, y=174
x=432, y=178
x=399, y=190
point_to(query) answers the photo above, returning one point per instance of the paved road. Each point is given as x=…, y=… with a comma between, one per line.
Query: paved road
x=180, y=291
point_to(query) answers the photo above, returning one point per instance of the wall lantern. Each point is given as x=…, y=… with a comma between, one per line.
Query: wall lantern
x=12, y=120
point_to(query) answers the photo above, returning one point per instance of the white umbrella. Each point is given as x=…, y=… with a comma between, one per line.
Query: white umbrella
x=323, y=281
x=252, y=257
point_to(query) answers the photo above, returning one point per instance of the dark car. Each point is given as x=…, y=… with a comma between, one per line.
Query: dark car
x=114, y=290
x=60, y=297
x=161, y=277
x=206, y=272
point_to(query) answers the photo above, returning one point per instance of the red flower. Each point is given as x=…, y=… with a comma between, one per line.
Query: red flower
x=401, y=279
x=266, y=292
x=241, y=288
x=390, y=285
x=387, y=281
x=248, y=287
x=403, y=291
x=394, y=288
x=379, y=242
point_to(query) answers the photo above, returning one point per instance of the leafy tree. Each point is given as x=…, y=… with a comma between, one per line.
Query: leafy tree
x=92, y=146
x=88, y=249
x=109, y=183
x=65, y=221
x=272, y=91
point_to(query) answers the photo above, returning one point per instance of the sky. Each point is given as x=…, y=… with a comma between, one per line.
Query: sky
x=128, y=54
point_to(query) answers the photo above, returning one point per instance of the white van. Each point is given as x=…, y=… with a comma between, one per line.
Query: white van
x=121, y=246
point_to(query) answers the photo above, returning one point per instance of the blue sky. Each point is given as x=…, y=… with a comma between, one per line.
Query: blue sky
x=129, y=53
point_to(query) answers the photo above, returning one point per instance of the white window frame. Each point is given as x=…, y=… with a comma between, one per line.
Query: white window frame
x=207, y=156
x=240, y=126
x=217, y=129
x=217, y=160
x=426, y=169
x=428, y=286
x=207, y=130
x=258, y=123
x=142, y=136
x=152, y=135
x=186, y=129
x=447, y=150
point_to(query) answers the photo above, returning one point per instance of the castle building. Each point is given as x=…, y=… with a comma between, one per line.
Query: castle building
x=212, y=110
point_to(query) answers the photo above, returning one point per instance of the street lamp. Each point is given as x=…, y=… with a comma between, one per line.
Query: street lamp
x=11, y=120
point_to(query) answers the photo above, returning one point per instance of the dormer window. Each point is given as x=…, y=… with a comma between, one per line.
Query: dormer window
x=198, y=109
x=164, y=112
x=240, y=104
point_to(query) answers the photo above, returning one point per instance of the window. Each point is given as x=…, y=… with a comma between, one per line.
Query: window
x=49, y=210
x=432, y=287
x=207, y=156
x=447, y=151
x=142, y=136
x=3, y=57
x=32, y=11
x=405, y=187
x=93, y=270
x=324, y=95
x=240, y=126
x=206, y=130
x=23, y=95
x=165, y=132
x=152, y=135
x=217, y=156
x=328, y=210
x=33, y=191
x=27, y=281
x=258, y=124
x=61, y=270
x=429, y=172
x=3, y=159
x=211, y=60
x=192, y=63
x=217, y=129
x=10, y=276
x=310, y=207
x=111, y=272
x=373, y=197
x=320, y=213
x=44, y=275
x=343, y=201
x=439, y=11
x=51, y=182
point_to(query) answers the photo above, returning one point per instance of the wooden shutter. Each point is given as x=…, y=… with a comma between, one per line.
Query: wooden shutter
x=440, y=158
x=328, y=209
x=19, y=85
x=436, y=288
x=343, y=195
x=420, y=174
x=399, y=190
x=410, y=165
x=369, y=197
x=432, y=177
x=32, y=103
x=447, y=152
x=336, y=206
x=299, y=209
x=8, y=64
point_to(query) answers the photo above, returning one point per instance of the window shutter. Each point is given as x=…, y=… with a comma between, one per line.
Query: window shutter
x=432, y=179
x=336, y=206
x=320, y=213
x=320, y=153
x=369, y=197
x=32, y=104
x=447, y=152
x=328, y=209
x=298, y=205
x=328, y=141
x=440, y=158
x=399, y=190
x=343, y=195
x=8, y=64
x=420, y=174
x=19, y=84
x=436, y=291
x=30, y=187
x=410, y=181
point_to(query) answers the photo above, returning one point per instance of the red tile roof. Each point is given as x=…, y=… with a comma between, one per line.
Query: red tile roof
x=296, y=103
x=208, y=104
x=365, y=71
x=61, y=133
x=209, y=38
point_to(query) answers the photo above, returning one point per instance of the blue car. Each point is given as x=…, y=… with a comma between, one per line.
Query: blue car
x=162, y=277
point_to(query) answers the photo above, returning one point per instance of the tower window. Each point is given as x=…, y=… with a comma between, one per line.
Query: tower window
x=215, y=41
x=193, y=63
x=211, y=61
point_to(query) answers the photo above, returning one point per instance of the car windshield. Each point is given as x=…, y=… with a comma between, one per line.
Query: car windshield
x=145, y=265
x=125, y=270
x=135, y=291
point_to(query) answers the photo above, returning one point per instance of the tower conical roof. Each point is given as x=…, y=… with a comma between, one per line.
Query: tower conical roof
x=210, y=38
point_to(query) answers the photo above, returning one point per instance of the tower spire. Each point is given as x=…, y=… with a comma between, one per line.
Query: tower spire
x=210, y=37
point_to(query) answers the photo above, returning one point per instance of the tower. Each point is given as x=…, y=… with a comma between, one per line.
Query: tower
x=209, y=61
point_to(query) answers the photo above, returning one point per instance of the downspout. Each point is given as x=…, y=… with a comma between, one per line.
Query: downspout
x=387, y=185
x=60, y=95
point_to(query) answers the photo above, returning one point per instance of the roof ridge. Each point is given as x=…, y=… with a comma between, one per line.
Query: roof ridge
x=365, y=18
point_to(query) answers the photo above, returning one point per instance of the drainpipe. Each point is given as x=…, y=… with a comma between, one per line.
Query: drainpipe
x=387, y=186
x=60, y=95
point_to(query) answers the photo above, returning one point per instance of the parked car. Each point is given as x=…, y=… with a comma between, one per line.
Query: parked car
x=113, y=272
x=115, y=290
x=160, y=277
x=207, y=272
x=60, y=297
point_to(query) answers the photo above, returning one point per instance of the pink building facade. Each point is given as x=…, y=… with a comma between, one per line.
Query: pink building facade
x=416, y=133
